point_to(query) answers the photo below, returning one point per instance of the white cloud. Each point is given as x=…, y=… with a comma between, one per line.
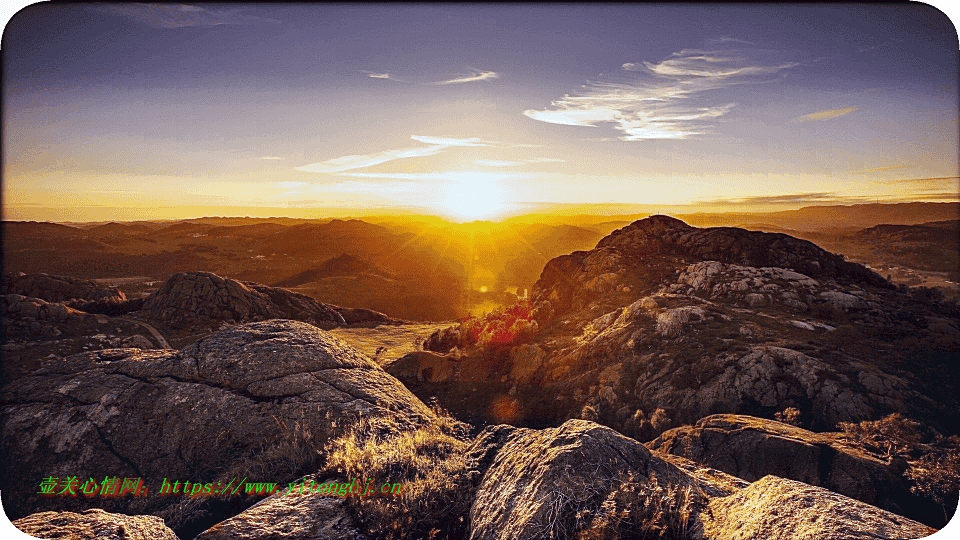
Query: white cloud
x=545, y=160
x=271, y=157
x=825, y=115
x=379, y=75
x=475, y=76
x=655, y=100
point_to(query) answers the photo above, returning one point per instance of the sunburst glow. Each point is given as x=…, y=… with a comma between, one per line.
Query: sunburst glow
x=473, y=195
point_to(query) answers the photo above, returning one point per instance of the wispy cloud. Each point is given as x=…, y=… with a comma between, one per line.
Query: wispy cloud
x=653, y=102
x=180, y=15
x=937, y=181
x=351, y=162
x=385, y=76
x=825, y=115
x=494, y=163
x=473, y=141
x=879, y=169
x=271, y=157
x=476, y=75
x=545, y=160
x=457, y=176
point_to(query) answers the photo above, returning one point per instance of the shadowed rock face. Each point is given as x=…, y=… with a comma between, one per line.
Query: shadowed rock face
x=751, y=448
x=205, y=299
x=271, y=392
x=94, y=523
x=59, y=288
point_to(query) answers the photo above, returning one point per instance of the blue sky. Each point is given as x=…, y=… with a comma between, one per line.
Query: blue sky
x=476, y=110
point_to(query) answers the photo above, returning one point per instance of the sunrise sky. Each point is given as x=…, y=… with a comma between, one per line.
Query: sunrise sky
x=468, y=112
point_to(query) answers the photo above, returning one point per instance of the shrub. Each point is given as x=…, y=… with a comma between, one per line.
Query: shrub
x=502, y=327
x=790, y=415
x=933, y=460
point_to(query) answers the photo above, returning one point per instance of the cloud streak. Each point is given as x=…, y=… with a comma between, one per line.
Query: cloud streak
x=654, y=99
x=347, y=163
x=181, y=16
x=477, y=75
x=825, y=115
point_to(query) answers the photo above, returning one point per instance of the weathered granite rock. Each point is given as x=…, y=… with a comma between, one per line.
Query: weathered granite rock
x=775, y=508
x=59, y=288
x=751, y=448
x=94, y=524
x=205, y=299
x=270, y=393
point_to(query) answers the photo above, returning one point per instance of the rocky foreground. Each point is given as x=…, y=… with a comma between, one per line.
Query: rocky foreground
x=262, y=399
x=689, y=339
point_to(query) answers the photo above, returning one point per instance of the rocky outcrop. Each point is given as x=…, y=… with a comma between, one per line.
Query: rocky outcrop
x=59, y=288
x=265, y=395
x=664, y=235
x=94, y=523
x=751, y=448
x=205, y=299
x=662, y=324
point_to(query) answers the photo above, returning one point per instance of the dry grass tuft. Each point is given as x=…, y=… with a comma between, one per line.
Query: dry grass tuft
x=646, y=511
x=429, y=462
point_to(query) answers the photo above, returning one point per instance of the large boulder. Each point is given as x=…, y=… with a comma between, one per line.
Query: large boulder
x=751, y=448
x=583, y=479
x=94, y=524
x=260, y=400
x=205, y=299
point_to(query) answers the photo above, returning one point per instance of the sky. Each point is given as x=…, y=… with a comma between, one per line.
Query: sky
x=126, y=111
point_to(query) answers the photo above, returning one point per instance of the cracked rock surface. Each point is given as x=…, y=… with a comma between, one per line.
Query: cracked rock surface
x=269, y=392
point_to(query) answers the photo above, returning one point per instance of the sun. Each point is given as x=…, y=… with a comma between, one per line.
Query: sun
x=473, y=195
